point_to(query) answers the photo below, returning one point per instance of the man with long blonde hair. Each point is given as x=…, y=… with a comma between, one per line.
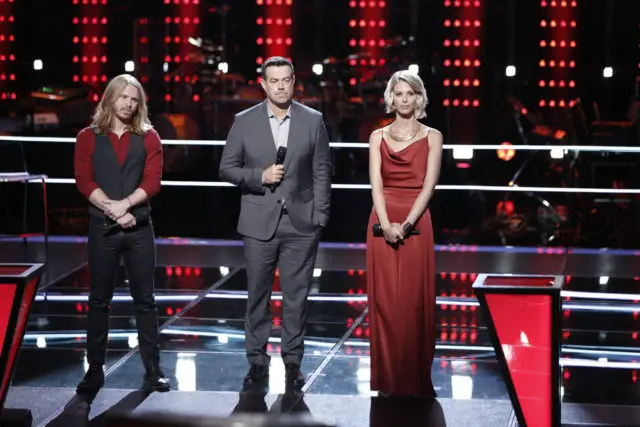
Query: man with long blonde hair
x=118, y=168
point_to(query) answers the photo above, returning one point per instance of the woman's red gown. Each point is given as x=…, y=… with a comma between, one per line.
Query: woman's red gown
x=401, y=282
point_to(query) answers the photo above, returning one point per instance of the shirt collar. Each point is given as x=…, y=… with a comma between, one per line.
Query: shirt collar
x=271, y=114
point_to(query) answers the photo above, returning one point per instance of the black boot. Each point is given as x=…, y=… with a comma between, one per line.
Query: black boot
x=147, y=322
x=294, y=376
x=92, y=382
x=258, y=374
x=155, y=380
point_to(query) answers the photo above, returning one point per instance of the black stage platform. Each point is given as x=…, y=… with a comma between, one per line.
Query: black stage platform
x=201, y=294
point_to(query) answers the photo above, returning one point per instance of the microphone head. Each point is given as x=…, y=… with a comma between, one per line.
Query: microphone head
x=282, y=152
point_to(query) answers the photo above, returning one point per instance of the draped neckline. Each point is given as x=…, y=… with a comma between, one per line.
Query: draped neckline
x=405, y=148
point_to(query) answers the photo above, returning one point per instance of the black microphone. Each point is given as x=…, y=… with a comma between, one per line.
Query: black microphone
x=377, y=230
x=282, y=152
x=113, y=225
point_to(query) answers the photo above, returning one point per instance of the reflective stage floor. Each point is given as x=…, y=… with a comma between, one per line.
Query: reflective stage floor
x=201, y=295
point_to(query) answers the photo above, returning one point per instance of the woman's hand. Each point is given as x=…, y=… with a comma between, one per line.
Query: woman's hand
x=393, y=233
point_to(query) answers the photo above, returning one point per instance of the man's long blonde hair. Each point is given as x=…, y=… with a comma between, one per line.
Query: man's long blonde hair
x=105, y=112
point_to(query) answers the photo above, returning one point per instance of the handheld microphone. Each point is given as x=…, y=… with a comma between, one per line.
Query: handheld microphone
x=282, y=152
x=377, y=230
x=113, y=225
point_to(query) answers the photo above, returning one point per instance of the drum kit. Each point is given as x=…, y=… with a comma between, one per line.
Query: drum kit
x=361, y=75
x=348, y=90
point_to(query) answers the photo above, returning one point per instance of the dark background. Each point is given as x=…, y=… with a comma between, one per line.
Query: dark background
x=607, y=34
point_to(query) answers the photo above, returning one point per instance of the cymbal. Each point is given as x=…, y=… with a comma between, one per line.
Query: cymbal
x=357, y=55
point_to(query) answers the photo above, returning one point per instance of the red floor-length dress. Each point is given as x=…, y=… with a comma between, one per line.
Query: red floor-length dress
x=401, y=282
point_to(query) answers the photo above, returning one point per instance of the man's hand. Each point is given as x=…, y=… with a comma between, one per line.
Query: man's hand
x=116, y=210
x=104, y=204
x=272, y=174
x=127, y=221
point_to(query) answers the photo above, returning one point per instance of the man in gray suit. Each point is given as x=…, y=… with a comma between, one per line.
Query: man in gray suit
x=284, y=209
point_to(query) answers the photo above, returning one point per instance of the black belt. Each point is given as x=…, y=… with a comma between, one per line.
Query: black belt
x=285, y=211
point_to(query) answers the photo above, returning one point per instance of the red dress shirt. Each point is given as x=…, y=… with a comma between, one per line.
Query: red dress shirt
x=83, y=164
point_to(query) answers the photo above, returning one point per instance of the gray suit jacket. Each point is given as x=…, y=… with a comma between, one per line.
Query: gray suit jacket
x=306, y=184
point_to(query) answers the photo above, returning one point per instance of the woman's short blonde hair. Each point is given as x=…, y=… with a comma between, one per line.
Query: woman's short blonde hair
x=416, y=84
x=105, y=112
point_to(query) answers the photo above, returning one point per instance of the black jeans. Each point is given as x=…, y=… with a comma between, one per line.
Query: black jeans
x=136, y=246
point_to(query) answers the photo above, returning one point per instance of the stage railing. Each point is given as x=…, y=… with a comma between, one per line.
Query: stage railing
x=205, y=142
x=465, y=151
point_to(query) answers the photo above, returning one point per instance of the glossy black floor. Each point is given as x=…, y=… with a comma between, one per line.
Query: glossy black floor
x=202, y=302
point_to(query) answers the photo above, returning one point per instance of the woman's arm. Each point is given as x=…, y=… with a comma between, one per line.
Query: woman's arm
x=392, y=232
x=430, y=180
x=375, y=178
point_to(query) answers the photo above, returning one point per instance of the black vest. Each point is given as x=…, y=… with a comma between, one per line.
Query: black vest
x=116, y=180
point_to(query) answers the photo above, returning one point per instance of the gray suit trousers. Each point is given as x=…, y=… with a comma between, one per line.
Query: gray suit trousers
x=294, y=253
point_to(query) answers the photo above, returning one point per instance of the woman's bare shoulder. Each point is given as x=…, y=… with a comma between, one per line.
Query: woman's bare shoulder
x=434, y=136
x=376, y=135
x=431, y=131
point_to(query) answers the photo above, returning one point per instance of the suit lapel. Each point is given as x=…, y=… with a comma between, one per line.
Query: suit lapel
x=295, y=134
x=271, y=150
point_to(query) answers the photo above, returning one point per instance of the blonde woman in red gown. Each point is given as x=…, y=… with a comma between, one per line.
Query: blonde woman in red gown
x=404, y=168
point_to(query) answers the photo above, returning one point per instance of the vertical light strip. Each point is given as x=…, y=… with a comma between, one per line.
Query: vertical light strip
x=169, y=59
x=367, y=24
x=188, y=26
x=91, y=23
x=356, y=35
x=143, y=50
x=638, y=77
x=275, y=17
x=463, y=26
x=7, y=55
x=181, y=23
x=557, y=65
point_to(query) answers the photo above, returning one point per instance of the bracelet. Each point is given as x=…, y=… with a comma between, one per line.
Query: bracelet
x=130, y=204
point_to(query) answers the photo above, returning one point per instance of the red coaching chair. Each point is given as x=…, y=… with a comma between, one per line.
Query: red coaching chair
x=18, y=286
